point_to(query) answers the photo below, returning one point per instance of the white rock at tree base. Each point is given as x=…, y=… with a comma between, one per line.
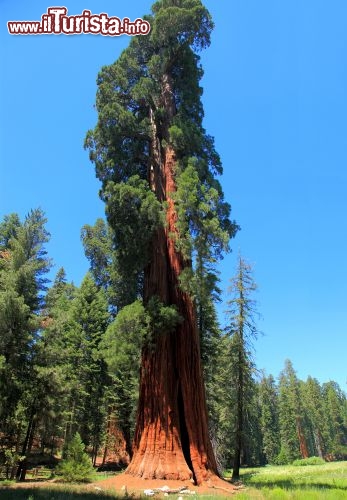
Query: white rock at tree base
x=149, y=493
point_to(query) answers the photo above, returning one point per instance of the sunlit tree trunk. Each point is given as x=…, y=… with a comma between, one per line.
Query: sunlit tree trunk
x=302, y=438
x=171, y=436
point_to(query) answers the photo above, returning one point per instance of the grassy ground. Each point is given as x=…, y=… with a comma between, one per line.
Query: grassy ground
x=55, y=492
x=313, y=482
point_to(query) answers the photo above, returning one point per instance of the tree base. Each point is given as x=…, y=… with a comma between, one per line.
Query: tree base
x=170, y=466
x=132, y=484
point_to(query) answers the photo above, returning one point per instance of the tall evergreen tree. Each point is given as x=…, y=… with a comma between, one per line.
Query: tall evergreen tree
x=269, y=418
x=54, y=362
x=313, y=404
x=76, y=320
x=121, y=346
x=253, y=443
x=91, y=316
x=291, y=417
x=206, y=293
x=157, y=166
x=23, y=265
x=242, y=330
x=98, y=247
x=121, y=349
x=335, y=407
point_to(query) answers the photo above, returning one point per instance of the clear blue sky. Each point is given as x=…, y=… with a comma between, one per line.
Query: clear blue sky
x=275, y=98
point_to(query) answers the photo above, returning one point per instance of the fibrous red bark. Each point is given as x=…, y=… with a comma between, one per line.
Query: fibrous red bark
x=115, y=450
x=302, y=439
x=171, y=436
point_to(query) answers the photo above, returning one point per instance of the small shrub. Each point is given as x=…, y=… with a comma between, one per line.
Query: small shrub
x=7, y=482
x=11, y=460
x=76, y=466
x=340, y=452
x=309, y=461
x=282, y=458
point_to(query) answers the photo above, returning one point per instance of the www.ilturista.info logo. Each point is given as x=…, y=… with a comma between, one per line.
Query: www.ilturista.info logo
x=56, y=22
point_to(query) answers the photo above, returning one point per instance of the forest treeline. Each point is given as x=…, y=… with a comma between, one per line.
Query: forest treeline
x=70, y=359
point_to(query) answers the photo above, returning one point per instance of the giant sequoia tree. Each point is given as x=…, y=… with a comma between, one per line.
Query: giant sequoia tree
x=158, y=166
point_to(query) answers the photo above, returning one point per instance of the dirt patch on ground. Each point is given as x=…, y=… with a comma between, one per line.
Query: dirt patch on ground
x=125, y=482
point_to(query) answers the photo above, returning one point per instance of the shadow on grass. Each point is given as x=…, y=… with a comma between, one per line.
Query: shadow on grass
x=36, y=480
x=45, y=493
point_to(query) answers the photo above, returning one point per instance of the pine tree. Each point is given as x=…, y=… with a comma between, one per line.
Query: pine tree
x=90, y=313
x=23, y=265
x=75, y=322
x=242, y=331
x=313, y=403
x=157, y=166
x=121, y=348
x=206, y=293
x=253, y=443
x=269, y=417
x=76, y=465
x=56, y=361
x=123, y=369
x=98, y=247
x=291, y=417
x=335, y=407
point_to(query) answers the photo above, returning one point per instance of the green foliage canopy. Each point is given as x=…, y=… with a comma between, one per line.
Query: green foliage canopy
x=134, y=118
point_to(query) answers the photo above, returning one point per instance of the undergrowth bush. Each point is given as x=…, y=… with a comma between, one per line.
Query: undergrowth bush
x=76, y=466
x=309, y=461
x=282, y=458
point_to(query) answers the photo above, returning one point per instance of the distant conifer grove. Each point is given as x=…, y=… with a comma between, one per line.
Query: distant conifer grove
x=70, y=362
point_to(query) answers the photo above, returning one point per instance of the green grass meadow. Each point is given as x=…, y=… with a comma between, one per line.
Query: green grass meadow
x=57, y=492
x=311, y=482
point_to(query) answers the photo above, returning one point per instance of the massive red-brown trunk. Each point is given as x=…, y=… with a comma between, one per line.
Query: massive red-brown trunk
x=302, y=439
x=116, y=449
x=171, y=437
